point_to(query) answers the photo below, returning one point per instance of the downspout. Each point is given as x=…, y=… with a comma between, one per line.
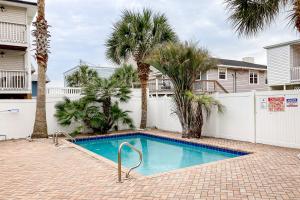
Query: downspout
x=235, y=87
x=254, y=114
x=234, y=82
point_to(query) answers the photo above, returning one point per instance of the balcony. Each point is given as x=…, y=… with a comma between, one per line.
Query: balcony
x=13, y=81
x=12, y=34
x=161, y=87
x=295, y=74
x=66, y=91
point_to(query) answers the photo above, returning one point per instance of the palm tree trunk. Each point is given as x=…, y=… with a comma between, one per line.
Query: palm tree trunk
x=198, y=122
x=106, y=106
x=40, y=125
x=143, y=72
x=42, y=43
x=297, y=14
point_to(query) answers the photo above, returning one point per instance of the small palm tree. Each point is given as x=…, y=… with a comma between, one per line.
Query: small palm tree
x=81, y=77
x=251, y=16
x=103, y=90
x=182, y=63
x=72, y=108
x=202, y=106
x=136, y=35
x=41, y=35
x=96, y=110
x=126, y=75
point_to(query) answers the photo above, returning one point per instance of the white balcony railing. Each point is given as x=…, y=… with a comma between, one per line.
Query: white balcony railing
x=13, y=80
x=63, y=91
x=160, y=85
x=165, y=86
x=295, y=74
x=13, y=33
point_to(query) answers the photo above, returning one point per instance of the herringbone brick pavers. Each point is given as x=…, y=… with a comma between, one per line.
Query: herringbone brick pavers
x=39, y=170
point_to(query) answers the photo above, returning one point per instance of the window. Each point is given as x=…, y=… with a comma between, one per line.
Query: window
x=199, y=76
x=253, y=77
x=222, y=73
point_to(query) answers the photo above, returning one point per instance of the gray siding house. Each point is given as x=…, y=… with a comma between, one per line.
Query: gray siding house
x=230, y=76
x=15, y=68
x=239, y=76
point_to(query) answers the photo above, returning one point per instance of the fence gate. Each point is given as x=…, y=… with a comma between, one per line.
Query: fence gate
x=278, y=118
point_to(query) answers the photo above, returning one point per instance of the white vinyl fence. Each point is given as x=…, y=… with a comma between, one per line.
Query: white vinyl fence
x=247, y=117
x=270, y=117
x=281, y=128
x=17, y=117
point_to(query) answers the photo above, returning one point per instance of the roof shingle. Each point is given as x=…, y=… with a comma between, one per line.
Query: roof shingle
x=236, y=63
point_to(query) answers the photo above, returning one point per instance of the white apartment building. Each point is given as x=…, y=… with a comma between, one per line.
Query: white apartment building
x=15, y=69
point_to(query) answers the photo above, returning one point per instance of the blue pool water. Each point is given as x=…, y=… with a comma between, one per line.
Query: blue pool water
x=159, y=154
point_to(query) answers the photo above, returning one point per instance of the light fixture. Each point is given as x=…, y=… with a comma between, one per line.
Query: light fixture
x=2, y=8
x=14, y=110
x=2, y=54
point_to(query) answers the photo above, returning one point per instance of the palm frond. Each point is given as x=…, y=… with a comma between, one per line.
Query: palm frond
x=251, y=16
x=126, y=75
x=136, y=34
x=82, y=76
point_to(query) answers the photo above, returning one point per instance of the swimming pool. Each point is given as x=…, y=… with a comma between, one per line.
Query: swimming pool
x=160, y=154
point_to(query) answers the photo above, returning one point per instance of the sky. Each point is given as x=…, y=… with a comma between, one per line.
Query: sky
x=79, y=29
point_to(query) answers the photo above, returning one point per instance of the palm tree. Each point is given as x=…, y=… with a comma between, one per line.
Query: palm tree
x=82, y=76
x=135, y=35
x=96, y=110
x=250, y=16
x=182, y=63
x=103, y=90
x=41, y=35
x=202, y=107
x=126, y=75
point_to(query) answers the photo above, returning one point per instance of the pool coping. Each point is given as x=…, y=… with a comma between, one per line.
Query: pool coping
x=135, y=175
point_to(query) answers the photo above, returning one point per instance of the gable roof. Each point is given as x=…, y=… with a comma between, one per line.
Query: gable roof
x=239, y=64
x=283, y=44
x=23, y=2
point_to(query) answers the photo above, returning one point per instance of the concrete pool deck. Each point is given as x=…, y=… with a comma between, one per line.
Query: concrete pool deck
x=39, y=170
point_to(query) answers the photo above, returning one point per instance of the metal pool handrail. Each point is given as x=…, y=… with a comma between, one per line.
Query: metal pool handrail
x=55, y=137
x=120, y=160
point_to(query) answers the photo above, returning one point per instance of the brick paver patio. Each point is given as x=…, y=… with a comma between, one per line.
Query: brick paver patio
x=39, y=170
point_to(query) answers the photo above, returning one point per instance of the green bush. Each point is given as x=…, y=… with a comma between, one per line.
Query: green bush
x=98, y=109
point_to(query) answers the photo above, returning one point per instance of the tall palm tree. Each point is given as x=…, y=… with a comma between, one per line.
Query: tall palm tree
x=81, y=77
x=182, y=63
x=135, y=35
x=250, y=16
x=41, y=35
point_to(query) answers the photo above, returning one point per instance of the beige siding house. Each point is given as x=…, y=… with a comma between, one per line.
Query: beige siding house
x=15, y=69
x=230, y=76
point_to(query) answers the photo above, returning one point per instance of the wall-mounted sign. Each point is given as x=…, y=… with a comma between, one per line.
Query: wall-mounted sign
x=263, y=103
x=276, y=104
x=292, y=102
